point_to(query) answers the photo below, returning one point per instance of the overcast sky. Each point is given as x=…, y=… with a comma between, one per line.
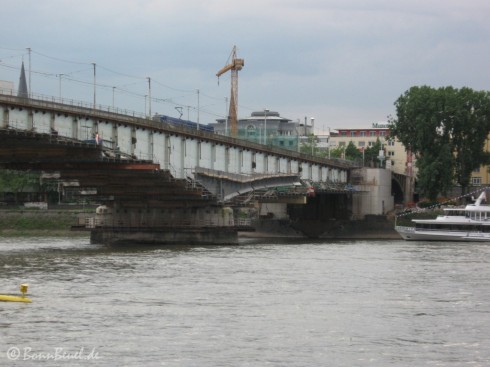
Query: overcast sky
x=343, y=62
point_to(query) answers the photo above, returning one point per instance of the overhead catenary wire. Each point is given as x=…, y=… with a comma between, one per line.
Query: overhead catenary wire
x=170, y=101
x=68, y=76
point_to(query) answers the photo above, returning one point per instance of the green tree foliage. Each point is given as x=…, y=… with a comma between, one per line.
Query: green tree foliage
x=16, y=182
x=434, y=177
x=336, y=152
x=309, y=145
x=352, y=153
x=371, y=154
x=446, y=128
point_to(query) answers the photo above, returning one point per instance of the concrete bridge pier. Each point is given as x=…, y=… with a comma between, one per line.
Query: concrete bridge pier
x=156, y=236
x=209, y=225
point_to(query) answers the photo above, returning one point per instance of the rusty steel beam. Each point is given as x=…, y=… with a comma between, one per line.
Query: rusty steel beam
x=130, y=182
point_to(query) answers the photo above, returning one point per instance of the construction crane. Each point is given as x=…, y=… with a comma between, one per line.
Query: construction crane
x=234, y=66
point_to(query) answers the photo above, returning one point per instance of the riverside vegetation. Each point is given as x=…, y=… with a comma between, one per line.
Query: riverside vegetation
x=32, y=222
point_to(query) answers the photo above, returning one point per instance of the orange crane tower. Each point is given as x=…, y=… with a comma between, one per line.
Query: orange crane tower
x=234, y=66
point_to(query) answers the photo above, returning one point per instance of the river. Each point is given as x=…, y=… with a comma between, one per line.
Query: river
x=262, y=303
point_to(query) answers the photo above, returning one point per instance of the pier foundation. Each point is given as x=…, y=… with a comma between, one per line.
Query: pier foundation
x=159, y=236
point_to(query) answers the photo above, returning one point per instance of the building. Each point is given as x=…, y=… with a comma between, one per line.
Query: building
x=398, y=159
x=269, y=128
x=396, y=156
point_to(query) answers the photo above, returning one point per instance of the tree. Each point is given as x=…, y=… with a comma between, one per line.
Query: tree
x=352, y=153
x=434, y=177
x=336, y=152
x=371, y=154
x=309, y=146
x=16, y=182
x=470, y=128
x=446, y=129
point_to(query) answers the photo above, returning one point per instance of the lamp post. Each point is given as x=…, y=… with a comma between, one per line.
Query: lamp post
x=198, y=108
x=149, y=96
x=265, y=126
x=297, y=137
x=60, y=75
x=95, y=100
x=328, y=142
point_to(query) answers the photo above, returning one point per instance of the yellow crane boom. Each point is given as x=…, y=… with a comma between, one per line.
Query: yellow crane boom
x=234, y=66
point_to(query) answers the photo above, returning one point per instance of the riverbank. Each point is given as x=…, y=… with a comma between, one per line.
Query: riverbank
x=42, y=233
x=35, y=222
x=59, y=223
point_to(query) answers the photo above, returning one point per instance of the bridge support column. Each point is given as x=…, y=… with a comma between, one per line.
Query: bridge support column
x=74, y=128
x=30, y=120
x=409, y=189
x=204, y=225
x=5, y=120
x=51, y=122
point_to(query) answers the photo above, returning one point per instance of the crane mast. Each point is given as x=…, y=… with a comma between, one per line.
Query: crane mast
x=233, y=66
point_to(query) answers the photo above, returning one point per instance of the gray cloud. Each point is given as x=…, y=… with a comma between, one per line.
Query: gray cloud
x=343, y=62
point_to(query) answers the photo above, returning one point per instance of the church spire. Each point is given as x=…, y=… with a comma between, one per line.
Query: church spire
x=22, y=91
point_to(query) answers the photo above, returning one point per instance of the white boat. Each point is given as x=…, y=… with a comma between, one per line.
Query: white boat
x=471, y=224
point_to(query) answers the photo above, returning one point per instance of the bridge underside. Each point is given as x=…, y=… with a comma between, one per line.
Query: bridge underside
x=142, y=202
x=227, y=186
x=136, y=183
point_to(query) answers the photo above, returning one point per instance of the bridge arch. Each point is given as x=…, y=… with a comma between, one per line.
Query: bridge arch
x=402, y=187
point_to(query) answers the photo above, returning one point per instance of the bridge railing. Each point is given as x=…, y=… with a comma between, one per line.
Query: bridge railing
x=139, y=119
x=37, y=99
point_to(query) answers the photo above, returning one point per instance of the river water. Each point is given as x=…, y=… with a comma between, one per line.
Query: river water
x=262, y=303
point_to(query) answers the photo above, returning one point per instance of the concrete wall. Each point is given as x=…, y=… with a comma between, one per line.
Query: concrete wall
x=274, y=210
x=129, y=217
x=373, y=196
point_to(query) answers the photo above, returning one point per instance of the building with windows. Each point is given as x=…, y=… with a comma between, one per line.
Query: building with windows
x=481, y=175
x=267, y=127
x=396, y=156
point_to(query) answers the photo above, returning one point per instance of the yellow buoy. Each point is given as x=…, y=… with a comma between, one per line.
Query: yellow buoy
x=23, y=298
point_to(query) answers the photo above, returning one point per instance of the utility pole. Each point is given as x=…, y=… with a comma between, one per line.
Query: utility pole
x=149, y=96
x=198, y=107
x=95, y=90
x=60, y=84
x=29, y=93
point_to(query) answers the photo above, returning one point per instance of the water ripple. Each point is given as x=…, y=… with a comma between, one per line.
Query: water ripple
x=284, y=303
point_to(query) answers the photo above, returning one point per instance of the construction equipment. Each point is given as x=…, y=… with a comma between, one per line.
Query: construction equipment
x=234, y=65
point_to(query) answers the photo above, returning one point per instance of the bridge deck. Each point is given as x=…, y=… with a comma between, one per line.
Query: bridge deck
x=101, y=115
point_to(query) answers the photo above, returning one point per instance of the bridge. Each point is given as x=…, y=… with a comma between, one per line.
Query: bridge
x=158, y=182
